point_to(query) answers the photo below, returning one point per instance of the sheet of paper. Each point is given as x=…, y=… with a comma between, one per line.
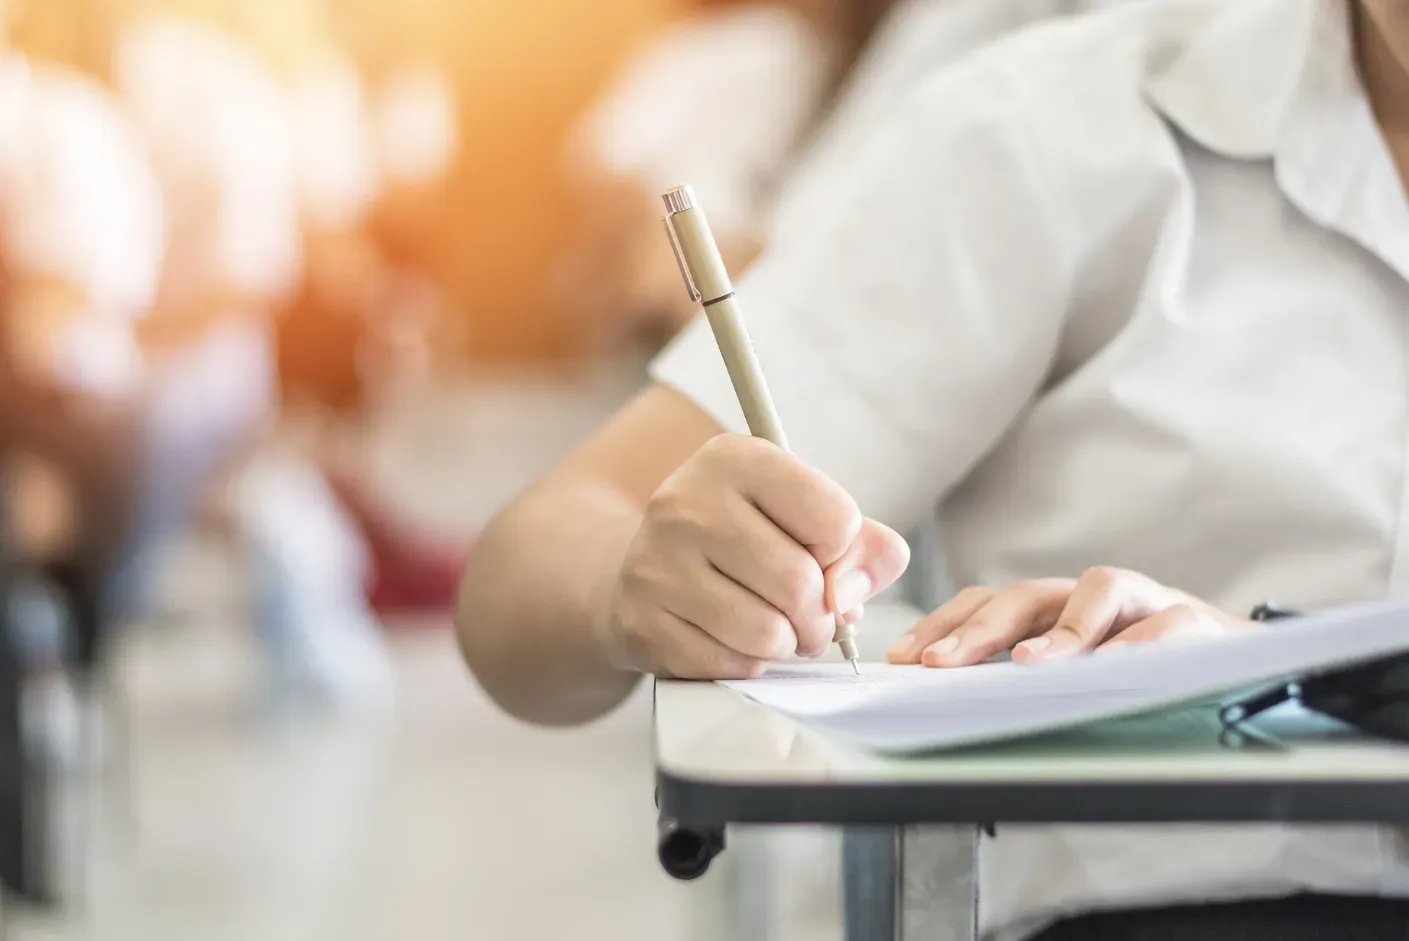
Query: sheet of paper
x=827, y=688
x=913, y=708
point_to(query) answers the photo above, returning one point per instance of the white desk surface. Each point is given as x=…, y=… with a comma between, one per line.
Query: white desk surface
x=723, y=758
x=706, y=733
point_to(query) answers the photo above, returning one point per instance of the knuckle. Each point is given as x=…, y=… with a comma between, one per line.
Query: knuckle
x=976, y=627
x=638, y=576
x=832, y=512
x=842, y=512
x=731, y=665
x=974, y=594
x=1026, y=586
x=770, y=635
x=732, y=451
x=752, y=669
x=801, y=589
x=814, y=635
x=671, y=499
x=677, y=509
x=645, y=561
x=715, y=448
x=1104, y=577
x=1183, y=611
x=721, y=663
x=848, y=513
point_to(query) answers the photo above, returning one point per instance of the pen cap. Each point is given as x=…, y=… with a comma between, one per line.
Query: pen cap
x=697, y=244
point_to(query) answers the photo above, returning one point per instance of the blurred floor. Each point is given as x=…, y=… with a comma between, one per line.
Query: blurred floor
x=447, y=822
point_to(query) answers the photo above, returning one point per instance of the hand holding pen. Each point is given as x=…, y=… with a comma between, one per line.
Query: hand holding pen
x=745, y=555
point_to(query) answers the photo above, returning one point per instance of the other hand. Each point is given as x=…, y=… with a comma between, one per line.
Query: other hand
x=744, y=556
x=1050, y=618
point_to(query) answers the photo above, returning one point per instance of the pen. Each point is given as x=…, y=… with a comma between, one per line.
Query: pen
x=707, y=282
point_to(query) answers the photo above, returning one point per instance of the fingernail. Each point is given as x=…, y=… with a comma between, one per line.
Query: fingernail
x=946, y=646
x=904, y=647
x=1036, y=645
x=851, y=589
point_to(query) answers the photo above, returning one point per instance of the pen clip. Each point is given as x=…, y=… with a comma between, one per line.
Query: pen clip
x=690, y=288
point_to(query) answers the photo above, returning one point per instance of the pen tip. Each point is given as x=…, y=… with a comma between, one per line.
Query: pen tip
x=855, y=668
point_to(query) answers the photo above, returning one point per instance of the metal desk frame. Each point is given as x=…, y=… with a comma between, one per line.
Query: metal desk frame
x=894, y=812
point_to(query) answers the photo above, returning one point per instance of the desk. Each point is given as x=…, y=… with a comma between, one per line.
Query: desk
x=723, y=760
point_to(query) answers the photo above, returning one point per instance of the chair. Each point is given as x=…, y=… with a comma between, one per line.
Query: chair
x=25, y=870
x=97, y=451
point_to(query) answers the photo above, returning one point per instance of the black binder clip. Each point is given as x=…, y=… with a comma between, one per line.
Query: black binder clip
x=1372, y=697
x=1242, y=710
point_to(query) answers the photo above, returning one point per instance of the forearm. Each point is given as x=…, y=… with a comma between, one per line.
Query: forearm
x=535, y=596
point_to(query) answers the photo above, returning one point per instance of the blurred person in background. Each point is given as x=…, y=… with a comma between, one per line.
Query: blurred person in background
x=219, y=126
x=230, y=137
x=1121, y=302
x=415, y=134
x=724, y=99
x=360, y=326
x=81, y=249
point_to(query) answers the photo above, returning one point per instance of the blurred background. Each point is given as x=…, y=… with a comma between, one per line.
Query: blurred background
x=293, y=295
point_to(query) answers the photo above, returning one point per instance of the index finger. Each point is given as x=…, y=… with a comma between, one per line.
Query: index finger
x=814, y=510
x=1104, y=601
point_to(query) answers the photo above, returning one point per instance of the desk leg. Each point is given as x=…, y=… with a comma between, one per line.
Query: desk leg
x=754, y=882
x=914, y=883
x=871, y=883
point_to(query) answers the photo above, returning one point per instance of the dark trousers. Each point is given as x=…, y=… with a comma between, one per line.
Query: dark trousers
x=23, y=801
x=95, y=450
x=1298, y=918
x=98, y=454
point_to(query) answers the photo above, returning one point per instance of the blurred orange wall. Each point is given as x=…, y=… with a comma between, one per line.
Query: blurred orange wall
x=525, y=69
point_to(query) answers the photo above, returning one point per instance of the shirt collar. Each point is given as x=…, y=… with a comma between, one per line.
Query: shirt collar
x=1276, y=79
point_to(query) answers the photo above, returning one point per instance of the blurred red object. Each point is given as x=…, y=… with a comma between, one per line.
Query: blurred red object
x=412, y=574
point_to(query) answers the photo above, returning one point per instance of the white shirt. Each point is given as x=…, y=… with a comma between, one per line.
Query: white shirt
x=1126, y=290
x=720, y=101
x=915, y=39
x=334, y=143
x=351, y=141
x=79, y=202
x=217, y=123
x=415, y=127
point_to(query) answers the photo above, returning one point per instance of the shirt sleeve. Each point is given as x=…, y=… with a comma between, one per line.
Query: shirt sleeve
x=915, y=39
x=903, y=333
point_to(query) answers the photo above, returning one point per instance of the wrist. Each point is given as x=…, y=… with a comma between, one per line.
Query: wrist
x=605, y=613
x=614, y=531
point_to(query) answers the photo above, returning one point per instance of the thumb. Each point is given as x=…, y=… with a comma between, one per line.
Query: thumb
x=871, y=564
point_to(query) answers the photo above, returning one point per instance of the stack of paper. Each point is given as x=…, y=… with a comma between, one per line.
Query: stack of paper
x=905, y=709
